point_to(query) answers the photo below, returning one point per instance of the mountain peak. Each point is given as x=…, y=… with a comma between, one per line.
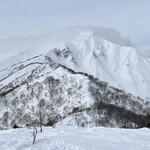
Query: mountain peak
x=110, y=34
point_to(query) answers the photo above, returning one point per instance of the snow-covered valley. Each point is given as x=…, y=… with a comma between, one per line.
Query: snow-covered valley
x=71, y=138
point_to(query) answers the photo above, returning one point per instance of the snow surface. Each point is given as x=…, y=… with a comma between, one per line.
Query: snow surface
x=69, y=138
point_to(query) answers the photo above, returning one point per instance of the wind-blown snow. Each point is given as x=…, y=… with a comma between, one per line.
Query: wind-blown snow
x=14, y=45
x=111, y=35
x=67, y=138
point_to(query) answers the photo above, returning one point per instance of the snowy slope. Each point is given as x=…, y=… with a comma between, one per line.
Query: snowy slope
x=122, y=67
x=65, y=95
x=66, y=138
x=82, y=49
x=66, y=77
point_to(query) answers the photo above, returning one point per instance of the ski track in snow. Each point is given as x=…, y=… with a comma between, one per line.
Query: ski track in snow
x=68, y=138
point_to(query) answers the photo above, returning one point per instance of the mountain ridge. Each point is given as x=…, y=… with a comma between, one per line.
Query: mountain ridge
x=118, y=65
x=84, y=80
x=67, y=95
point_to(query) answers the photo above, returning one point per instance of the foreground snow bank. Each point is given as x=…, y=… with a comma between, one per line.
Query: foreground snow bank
x=66, y=138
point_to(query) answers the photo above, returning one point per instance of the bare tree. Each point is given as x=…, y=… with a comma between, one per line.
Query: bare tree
x=40, y=119
x=5, y=116
x=41, y=113
x=77, y=118
x=34, y=134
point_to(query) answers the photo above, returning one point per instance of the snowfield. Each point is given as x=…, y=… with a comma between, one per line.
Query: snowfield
x=73, y=138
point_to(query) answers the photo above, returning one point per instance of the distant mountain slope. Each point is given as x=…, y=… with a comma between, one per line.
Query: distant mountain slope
x=81, y=49
x=79, y=78
x=42, y=86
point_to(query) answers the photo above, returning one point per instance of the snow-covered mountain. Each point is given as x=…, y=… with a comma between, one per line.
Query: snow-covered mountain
x=75, y=76
x=121, y=66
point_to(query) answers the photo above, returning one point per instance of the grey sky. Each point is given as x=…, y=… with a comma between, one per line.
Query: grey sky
x=32, y=17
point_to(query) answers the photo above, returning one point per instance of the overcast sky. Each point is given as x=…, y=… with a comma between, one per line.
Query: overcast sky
x=32, y=17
